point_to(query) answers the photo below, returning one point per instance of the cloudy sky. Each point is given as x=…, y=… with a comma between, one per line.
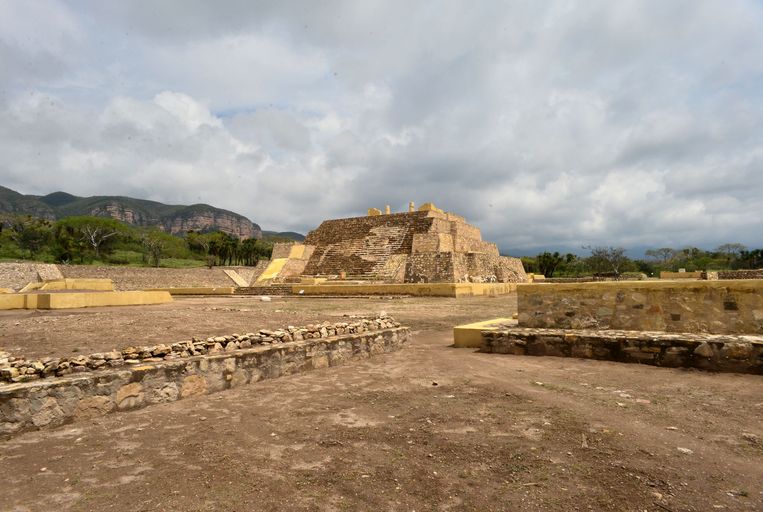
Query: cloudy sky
x=551, y=124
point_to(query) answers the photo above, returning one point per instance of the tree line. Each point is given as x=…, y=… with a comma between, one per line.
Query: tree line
x=614, y=262
x=85, y=239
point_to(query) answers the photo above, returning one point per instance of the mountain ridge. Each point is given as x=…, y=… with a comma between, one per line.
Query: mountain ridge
x=174, y=219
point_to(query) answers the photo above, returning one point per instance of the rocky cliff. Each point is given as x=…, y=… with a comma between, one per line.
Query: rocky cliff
x=175, y=219
x=212, y=220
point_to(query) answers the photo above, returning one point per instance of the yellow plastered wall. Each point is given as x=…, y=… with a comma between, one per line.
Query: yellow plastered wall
x=196, y=290
x=78, y=284
x=12, y=301
x=85, y=300
x=429, y=207
x=104, y=285
x=31, y=287
x=273, y=269
x=65, y=300
x=470, y=335
x=297, y=251
x=681, y=275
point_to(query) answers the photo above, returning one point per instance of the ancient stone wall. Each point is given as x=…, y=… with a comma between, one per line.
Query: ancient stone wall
x=463, y=268
x=692, y=306
x=681, y=275
x=740, y=274
x=446, y=289
x=287, y=261
x=361, y=245
x=418, y=247
x=140, y=278
x=55, y=392
x=706, y=351
x=15, y=276
x=433, y=267
x=483, y=267
x=281, y=250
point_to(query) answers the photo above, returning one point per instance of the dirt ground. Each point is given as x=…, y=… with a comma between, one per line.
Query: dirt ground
x=428, y=428
x=48, y=333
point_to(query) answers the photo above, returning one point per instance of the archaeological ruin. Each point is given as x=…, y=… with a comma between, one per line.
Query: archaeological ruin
x=425, y=245
x=36, y=394
x=710, y=325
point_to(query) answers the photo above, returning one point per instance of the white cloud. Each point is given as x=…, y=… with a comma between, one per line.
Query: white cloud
x=553, y=124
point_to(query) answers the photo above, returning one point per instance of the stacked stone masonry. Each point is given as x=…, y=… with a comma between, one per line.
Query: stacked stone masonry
x=729, y=353
x=421, y=246
x=52, y=392
x=740, y=274
x=13, y=369
x=719, y=307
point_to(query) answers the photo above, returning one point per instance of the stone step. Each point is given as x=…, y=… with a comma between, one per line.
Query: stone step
x=739, y=353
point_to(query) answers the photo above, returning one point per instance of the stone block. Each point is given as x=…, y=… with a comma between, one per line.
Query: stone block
x=714, y=307
x=193, y=385
x=52, y=401
x=319, y=361
x=93, y=406
x=130, y=396
x=582, y=350
x=704, y=350
x=736, y=351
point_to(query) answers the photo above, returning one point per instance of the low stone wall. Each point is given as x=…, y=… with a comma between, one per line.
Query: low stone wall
x=740, y=274
x=139, y=278
x=690, y=306
x=681, y=275
x=272, y=289
x=87, y=299
x=224, y=290
x=587, y=279
x=17, y=275
x=743, y=354
x=414, y=289
x=19, y=369
x=50, y=394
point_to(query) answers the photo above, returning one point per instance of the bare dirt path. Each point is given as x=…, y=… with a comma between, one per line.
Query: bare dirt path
x=59, y=333
x=428, y=428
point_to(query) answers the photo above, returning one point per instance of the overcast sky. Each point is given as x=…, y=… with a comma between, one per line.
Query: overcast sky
x=550, y=124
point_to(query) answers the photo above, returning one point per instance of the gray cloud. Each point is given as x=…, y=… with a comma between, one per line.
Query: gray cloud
x=554, y=124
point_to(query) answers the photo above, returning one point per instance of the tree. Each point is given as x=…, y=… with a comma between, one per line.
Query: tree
x=751, y=259
x=198, y=242
x=607, y=260
x=548, y=262
x=663, y=255
x=252, y=250
x=95, y=233
x=153, y=246
x=31, y=233
x=730, y=251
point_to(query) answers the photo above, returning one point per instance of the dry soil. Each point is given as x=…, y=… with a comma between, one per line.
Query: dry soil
x=428, y=428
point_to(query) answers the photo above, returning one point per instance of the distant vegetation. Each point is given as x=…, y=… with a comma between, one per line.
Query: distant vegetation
x=282, y=236
x=136, y=212
x=84, y=239
x=613, y=262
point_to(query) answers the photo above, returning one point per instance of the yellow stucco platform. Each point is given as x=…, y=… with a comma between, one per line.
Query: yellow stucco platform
x=470, y=335
x=273, y=269
x=199, y=290
x=235, y=277
x=416, y=289
x=66, y=300
x=70, y=284
x=312, y=280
